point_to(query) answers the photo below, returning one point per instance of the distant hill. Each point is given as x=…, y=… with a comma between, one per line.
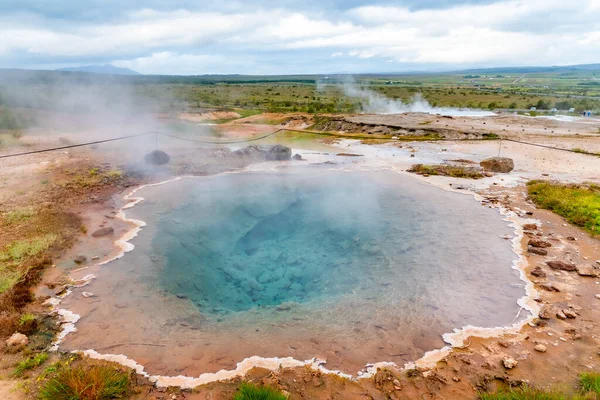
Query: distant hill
x=101, y=69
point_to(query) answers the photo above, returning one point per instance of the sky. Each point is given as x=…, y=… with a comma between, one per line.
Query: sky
x=297, y=37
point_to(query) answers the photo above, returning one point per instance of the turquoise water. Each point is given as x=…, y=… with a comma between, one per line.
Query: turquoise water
x=253, y=241
x=352, y=267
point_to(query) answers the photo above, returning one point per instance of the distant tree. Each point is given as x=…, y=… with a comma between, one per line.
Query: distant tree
x=542, y=105
x=512, y=105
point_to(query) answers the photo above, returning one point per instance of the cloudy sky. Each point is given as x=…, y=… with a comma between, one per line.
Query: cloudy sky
x=295, y=37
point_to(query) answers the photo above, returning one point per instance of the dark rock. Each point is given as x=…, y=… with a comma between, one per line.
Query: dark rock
x=539, y=243
x=80, y=259
x=537, y=271
x=298, y=157
x=537, y=250
x=498, y=164
x=279, y=153
x=561, y=265
x=157, y=157
x=109, y=230
x=530, y=227
x=270, y=153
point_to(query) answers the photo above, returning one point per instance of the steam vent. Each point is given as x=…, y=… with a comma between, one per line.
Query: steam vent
x=157, y=157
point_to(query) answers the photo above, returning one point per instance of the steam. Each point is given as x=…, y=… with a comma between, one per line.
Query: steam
x=376, y=103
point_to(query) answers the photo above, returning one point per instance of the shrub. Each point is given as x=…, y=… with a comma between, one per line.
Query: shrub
x=97, y=382
x=249, y=391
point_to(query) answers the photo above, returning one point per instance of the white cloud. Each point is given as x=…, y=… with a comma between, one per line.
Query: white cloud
x=505, y=32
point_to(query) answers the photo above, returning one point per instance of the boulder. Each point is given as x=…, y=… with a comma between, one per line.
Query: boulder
x=550, y=287
x=570, y=314
x=157, y=157
x=17, y=341
x=530, y=227
x=279, y=153
x=267, y=152
x=561, y=265
x=586, y=270
x=298, y=157
x=498, y=164
x=109, y=230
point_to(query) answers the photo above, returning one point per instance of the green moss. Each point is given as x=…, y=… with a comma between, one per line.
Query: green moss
x=249, y=391
x=579, y=204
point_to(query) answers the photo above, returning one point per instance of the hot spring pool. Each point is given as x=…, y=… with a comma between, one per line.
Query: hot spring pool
x=353, y=267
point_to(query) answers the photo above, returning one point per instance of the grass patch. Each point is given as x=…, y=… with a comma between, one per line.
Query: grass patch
x=96, y=382
x=20, y=250
x=26, y=318
x=590, y=382
x=19, y=215
x=582, y=151
x=8, y=278
x=578, y=204
x=249, y=391
x=30, y=363
x=447, y=170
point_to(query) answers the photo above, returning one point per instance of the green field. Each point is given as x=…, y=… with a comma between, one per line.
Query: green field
x=518, y=88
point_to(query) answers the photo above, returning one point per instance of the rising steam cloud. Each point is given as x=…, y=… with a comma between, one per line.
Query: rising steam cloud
x=376, y=103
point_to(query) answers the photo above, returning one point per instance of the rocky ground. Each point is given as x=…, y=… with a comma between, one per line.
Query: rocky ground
x=562, y=260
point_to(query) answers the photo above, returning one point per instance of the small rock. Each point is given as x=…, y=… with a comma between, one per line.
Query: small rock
x=561, y=265
x=530, y=227
x=550, y=287
x=571, y=238
x=297, y=157
x=17, y=341
x=537, y=250
x=540, y=347
x=561, y=315
x=509, y=362
x=104, y=231
x=539, y=243
x=598, y=296
x=570, y=314
x=539, y=272
x=545, y=313
x=80, y=259
x=87, y=294
x=586, y=270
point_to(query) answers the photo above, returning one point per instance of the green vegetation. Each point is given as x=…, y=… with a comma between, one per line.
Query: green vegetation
x=26, y=318
x=249, y=391
x=582, y=151
x=30, y=363
x=96, y=382
x=447, y=170
x=19, y=250
x=579, y=204
x=589, y=389
x=590, y=382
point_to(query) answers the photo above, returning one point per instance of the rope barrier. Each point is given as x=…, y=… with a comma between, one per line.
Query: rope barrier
x=258, y=138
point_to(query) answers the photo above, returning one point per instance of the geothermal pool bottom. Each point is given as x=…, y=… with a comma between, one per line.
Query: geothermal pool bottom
x=353, y=268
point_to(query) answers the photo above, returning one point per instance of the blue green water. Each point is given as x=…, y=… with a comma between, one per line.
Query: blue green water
x=249, y=241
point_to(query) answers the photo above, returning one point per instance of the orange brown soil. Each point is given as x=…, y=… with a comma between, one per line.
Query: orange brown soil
x=572, y=344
